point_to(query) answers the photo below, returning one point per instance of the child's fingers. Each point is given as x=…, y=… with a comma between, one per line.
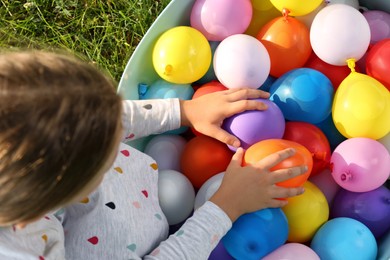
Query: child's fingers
x=223, y=136
x=245, y=93
x=275, y=158
x=288, y=173
x=277, y=203
x=237, y=157
x=243, y=105
x=282, y=192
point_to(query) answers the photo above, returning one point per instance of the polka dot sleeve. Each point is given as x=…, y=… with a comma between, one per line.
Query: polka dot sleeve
x=198, y=236
x=145, y=117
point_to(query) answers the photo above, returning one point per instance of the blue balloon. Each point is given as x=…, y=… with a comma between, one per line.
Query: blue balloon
x=329, y=129
x=303, y=94
x=256, y=234
x=384, y=247
x=267, y=83
x=344, y=238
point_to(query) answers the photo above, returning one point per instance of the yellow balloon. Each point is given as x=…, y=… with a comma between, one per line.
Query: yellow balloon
x=181, y=55
x=297, y=7
x=306, y=213
x=361, y=107
x=261, y=16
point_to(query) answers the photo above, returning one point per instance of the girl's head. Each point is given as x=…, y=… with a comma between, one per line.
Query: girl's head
x=59, y=124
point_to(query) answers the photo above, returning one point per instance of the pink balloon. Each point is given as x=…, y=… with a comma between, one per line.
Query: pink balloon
x=292, y=251
x=218, y=19
x=360, y=164
x=325, y=182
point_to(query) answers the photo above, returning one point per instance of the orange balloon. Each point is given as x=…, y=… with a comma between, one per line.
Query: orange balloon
x=202, y=158
x=267, y=147
x=287, y=41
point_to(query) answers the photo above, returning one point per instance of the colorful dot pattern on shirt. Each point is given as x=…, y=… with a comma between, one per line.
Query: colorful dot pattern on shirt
x=97, y=240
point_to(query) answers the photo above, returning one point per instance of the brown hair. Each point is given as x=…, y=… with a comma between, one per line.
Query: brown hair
x=58, y=121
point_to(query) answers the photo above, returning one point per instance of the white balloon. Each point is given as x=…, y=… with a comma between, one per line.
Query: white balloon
x=166, y=150
x=176, y=196
x=208, y=189
x=339, y=32
x=241, y=61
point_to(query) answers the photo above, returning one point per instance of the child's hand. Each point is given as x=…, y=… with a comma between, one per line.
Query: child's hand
x=250, y=188
x=206, y=113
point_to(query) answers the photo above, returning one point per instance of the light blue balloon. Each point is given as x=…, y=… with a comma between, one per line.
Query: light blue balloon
x=384, y=247
x=304, y=95
x=344, y=238
x=256, y=234
x=162, y=89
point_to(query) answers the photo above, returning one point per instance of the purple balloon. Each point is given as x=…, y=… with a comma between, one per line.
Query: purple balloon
x=371, y=208
x=379, y=22
x=253, y=126
x=220, y=253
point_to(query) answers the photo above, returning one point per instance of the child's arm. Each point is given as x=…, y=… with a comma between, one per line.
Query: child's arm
x=43, y=239
x=243, y=190
x=206, y=113
x=141, y=118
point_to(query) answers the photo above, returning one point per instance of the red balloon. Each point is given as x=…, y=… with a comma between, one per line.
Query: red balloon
x=202, y=158
x=313, y=139
x=378, y=62
x=267, y=147
x=336, y=74
x=207, y=88
x=287, y=41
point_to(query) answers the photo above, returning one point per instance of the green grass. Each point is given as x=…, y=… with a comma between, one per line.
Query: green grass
x=105, y=32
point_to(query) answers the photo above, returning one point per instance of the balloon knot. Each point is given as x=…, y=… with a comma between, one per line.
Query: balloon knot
x=320, y=156
x=168, y=69
x=345, y=176
x=142, y=89
x=351, y=64
x=285, y=13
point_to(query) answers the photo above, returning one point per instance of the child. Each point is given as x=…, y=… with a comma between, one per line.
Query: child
x=61, y=127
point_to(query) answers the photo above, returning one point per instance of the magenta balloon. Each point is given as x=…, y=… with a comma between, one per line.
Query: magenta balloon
x=253, y=126
x=379, y=22
x=372, y=208
x=292, y=251
x=218, y=19
x=360, y=164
